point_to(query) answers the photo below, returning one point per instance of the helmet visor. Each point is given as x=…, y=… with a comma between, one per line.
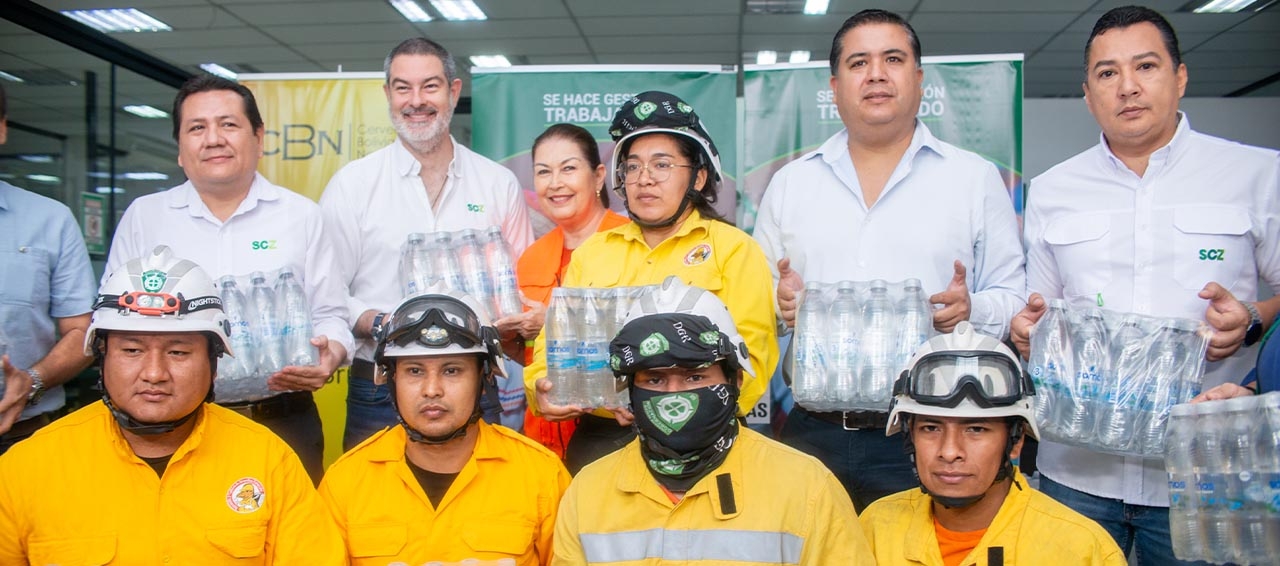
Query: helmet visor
x=435, y=321
x=943, y=379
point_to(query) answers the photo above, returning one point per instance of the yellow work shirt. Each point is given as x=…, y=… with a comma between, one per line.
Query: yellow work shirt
x=501, y=505
x=1030, y=526
x=783, y=507
x=233, y=493
x=704, y=253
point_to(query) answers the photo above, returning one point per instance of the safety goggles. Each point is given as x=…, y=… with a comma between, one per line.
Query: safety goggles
x=157, y=304
x=943, y=379
x=435, y=321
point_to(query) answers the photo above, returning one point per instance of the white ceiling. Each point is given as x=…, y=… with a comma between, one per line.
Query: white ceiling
x=1224, y=52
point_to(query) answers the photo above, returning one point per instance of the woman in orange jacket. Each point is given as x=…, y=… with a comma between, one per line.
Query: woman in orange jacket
x=568, y=177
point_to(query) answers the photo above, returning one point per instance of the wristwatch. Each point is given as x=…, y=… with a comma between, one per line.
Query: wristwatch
x=1254, y=332
x=376, y=328
x=37, y=386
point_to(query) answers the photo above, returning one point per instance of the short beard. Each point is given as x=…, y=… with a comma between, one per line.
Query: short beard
x=427, y=138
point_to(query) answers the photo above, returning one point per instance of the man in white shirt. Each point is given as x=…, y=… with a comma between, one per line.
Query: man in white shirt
x=233, y=222
x=885, y=199
x=1156, y=219
x=424, y=181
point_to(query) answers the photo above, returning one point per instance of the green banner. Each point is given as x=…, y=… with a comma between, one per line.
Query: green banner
x=974, y=102
x=510, y=107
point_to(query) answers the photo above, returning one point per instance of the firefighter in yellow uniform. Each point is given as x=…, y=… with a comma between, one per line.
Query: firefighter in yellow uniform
x=963, y=404
x=443, y=486
x=696, y=487
x=155, y=473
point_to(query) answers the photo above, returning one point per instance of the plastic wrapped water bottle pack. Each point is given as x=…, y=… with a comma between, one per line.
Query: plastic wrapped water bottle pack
x=270, y=322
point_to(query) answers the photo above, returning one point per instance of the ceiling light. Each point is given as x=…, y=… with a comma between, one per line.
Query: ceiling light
x=108, y=190
x=219, y=70
x=36, y=158
x=145, y=176
x=816, y=7
x=117, y=20
x=798, y=57
x=8, y=77
x=144, y=111
x=490, y=61
x=411, y=10
x=766, y=57
x=458, y=10
x=39, y=178
x=1219, y=6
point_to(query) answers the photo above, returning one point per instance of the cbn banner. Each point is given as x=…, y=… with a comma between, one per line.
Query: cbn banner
x=511, y=106
x=974, y=102
x=315, y=124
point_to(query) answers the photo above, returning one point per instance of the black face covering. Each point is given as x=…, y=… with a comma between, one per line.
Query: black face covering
x=687, y=434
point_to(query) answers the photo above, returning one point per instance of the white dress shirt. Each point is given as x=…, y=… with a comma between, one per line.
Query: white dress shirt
x=941, y=204
x=1096, y=233
x=272, y=228
x=372, y=204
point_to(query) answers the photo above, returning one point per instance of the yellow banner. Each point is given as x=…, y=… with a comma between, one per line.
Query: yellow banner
x=314, y=126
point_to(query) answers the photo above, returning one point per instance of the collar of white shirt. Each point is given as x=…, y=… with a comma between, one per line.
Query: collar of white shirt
x=406, y=165
x=186, y=196
x=836, y=147
x=1159, y=157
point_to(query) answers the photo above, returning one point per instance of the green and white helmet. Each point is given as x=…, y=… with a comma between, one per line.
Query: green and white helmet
x=963, y=374
x=159, y=293
x=660, y=331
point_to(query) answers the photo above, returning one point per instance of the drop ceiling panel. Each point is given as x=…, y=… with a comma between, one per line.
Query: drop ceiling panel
x=304, y=13
x=667, y=44
x=926, y=24
x=672, y=8
x=659, y=25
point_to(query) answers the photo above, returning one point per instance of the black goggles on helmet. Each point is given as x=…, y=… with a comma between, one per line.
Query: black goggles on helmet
x=943, y=379
x=434, y=321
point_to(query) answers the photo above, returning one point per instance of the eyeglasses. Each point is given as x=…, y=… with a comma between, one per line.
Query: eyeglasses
x=659, y=170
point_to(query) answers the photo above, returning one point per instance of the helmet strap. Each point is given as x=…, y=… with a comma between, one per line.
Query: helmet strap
x=1006, y=470
x=416, y=435
x=127, y=422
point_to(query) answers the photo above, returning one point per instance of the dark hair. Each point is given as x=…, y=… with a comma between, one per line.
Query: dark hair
x=580, y=137
x=1126, y=16
x=871, y=17
x=210, y=83
x=4, y=104
x=704, y=198
x=422, y=46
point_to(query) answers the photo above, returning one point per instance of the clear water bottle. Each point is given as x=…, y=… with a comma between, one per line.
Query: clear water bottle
x=1211, y=452
x=1051, y=360
x=1121, y=386
x=1248, y=529
x=475, y=274
x=915, y=322
x=445, y=260
x=295, y=319
x=1078, y=403
x=843, y=321
x=240, y=318
x=879, y=354
x=415, y=265
x=1167, y=360
x=809, y=370
x=561, y=344
x=1266, y=456
x=593, y=352
x=502, y=271
x=269, y=328
x=1184, y=521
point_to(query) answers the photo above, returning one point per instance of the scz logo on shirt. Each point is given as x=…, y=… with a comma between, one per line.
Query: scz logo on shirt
x=471, y=207
x=1212, y=255
x=264, y=244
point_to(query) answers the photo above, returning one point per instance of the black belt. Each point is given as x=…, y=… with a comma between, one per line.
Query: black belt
x=850, y=420
x=361, y=369
x=281, y=405
x=28, y=427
